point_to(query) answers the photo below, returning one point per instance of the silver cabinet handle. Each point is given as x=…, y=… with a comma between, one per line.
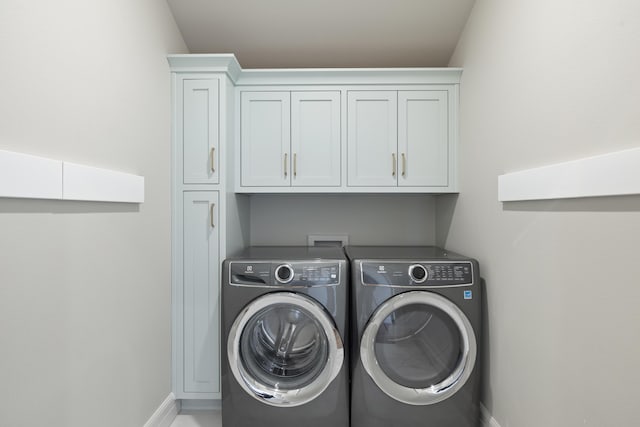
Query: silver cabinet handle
x=285, y=164
x=211, y=211
x=212, y=159
x=393, y=164
x=404, y=165
x=295, y=164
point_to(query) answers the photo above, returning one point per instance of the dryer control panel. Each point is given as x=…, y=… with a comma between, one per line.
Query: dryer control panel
x=285, y=274
x=415, y=274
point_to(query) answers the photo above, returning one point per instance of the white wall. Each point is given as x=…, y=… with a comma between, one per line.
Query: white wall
x=85, y=287
x=368, y=219
x=547, y=81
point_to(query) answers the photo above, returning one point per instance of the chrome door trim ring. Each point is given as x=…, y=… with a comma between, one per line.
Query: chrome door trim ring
x=269, y=395
x=437, y=392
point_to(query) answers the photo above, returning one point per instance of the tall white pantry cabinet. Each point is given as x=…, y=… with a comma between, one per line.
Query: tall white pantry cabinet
x=241, y=132
x=205, y=225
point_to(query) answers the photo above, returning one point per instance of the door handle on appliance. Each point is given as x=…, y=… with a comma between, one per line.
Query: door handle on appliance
x=393, y=164
x=285, y=164
x=404, y=165
x=212, y=159
x=211, y=211
x=295, y=164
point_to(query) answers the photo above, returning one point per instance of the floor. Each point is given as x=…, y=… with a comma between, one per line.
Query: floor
x=213, y=418
x=209, y=418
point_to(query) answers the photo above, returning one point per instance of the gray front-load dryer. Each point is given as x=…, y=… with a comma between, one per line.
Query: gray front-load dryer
x=416, y=317
x=284, y=324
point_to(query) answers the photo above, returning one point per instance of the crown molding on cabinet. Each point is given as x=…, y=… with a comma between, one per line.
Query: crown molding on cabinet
x=211, y=63
x=227, y=63
x=351, y=76
x=33, y=177
x=612, y=174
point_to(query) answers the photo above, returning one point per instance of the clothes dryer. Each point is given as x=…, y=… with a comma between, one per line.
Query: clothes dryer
x=416, y=319
x=284, y=312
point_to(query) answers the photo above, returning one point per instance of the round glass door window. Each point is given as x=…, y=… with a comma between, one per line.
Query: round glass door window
x=419, y=348
x=284, y=349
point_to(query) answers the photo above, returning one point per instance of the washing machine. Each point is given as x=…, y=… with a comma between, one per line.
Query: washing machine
x=416, y=325
x=284, y=325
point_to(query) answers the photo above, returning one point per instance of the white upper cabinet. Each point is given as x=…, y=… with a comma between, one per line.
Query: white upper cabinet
x=265, y=139
x=315, y=139
x=372, y=139
x=345, y=130
x=200, y=131
x=398, y=138
x=290, y=139
x=423, y=138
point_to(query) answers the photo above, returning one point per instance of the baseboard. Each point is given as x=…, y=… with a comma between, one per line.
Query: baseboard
x=487, y=419
x=165, y=414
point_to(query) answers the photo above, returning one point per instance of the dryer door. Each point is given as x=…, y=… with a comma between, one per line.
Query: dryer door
x=419, y=348
x=284, y=349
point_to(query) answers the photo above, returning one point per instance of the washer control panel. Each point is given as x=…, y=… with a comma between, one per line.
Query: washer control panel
x=285, y=274
x=399, y=273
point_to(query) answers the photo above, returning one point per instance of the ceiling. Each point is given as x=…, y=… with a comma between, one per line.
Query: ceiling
x=329, y=33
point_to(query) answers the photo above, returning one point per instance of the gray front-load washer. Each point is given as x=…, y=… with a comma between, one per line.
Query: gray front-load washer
x=416, y=319
x=284, y=324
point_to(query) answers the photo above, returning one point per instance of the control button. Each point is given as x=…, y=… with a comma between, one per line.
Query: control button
x=284, y=273
x=417, y=273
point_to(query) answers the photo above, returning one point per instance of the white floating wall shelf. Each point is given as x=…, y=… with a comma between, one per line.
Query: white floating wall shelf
x=612, y=174
x=33, y=177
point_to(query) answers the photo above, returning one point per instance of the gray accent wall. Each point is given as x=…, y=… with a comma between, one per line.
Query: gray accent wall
x=544, y=82
x=368, y=219
x=85, y=288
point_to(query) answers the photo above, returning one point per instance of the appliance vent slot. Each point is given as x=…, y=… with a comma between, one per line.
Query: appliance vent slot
x=327, y=240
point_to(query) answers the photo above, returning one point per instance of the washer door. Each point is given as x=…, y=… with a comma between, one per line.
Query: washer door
x=419, y=348
x=284, y=349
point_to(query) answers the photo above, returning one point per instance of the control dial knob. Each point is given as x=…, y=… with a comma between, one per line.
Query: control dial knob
x=418, y=273
x=284, y=273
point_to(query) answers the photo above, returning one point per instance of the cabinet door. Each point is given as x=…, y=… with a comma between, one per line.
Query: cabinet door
x=372, y=138
x=200, y=131
x=201, y=291
x=315, y=138
x=423, y=139
x=265, y=160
